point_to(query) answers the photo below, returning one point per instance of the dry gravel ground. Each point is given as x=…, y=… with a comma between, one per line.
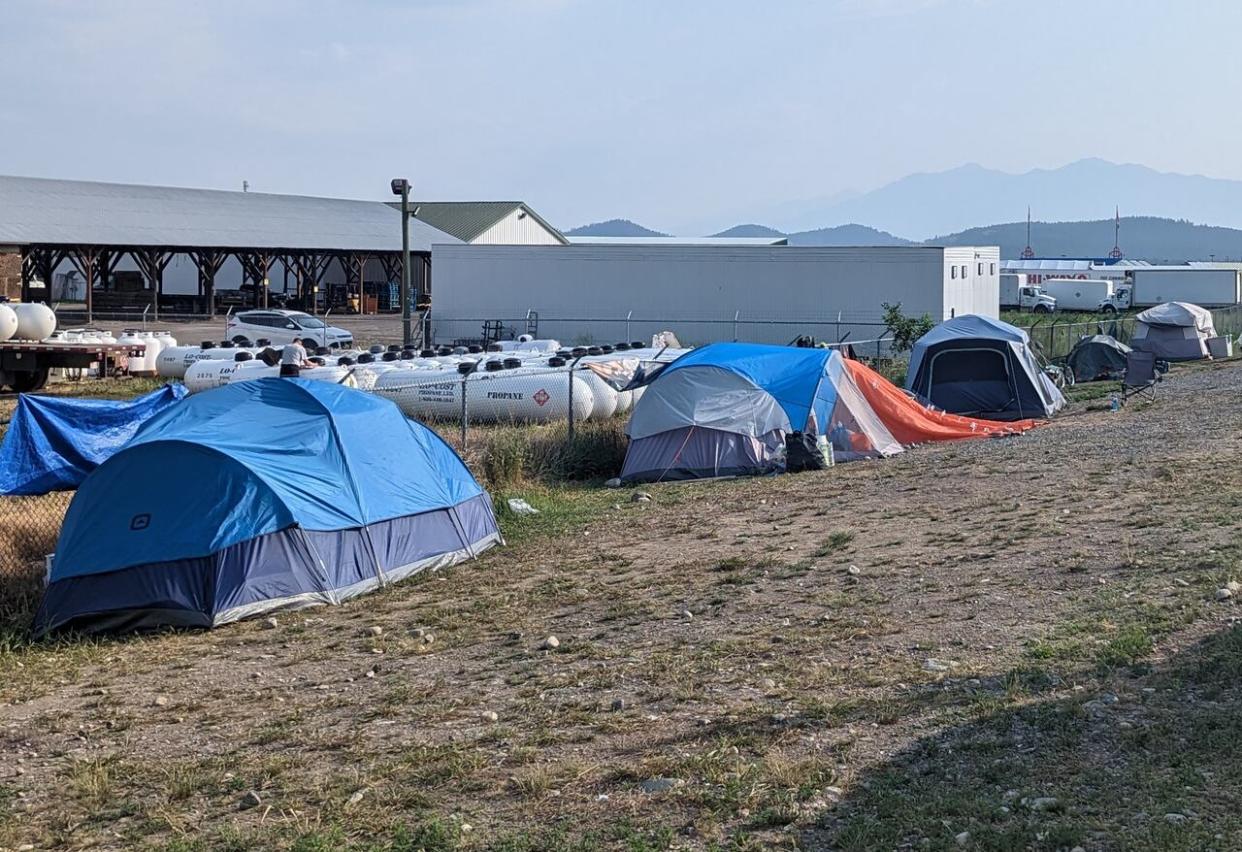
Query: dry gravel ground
x=992, y=645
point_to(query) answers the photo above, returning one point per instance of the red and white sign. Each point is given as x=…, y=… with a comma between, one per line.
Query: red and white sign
x=541, y=397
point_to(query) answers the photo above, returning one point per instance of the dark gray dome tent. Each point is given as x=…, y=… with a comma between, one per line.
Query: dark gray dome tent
x=981, y=367
x=1097, y=357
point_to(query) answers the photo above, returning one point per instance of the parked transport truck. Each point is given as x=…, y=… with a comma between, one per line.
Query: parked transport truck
x=1207, y=288
x=1078, y=294
x=1017, y=294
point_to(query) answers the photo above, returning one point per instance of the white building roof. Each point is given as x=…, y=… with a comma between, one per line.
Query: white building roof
x=1046, y=265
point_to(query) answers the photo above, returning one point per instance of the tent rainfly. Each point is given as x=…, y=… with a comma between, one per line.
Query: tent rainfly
x=726, y=409
x=261, y=495
x=1174, y=331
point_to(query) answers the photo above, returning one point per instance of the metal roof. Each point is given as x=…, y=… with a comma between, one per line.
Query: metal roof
x=467, y=220
x=679, y=241
x=1048, y=265
x=63, y=212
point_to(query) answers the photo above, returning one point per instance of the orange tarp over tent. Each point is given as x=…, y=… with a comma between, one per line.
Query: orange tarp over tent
x=913, y=423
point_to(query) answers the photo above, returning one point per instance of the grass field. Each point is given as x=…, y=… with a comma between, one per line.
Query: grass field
x=1007, y=644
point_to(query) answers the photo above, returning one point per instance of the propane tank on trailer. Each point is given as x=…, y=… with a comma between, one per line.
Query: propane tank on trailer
x=35, y=321
x=137, y=363
x=150, y=356
x=8, y=322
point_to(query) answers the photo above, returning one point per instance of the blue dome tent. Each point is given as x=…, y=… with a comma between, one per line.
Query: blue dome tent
x=726, y=409
x=981, y=367
x=260, y=495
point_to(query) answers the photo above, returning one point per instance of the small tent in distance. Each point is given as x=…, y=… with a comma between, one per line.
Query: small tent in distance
x=1174, y=331
x=1097, y=357
x=727, y=408
x=981, y=367
x=257, y=496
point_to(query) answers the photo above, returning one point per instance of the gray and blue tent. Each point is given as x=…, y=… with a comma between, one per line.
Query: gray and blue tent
x=261, y=495
x=981, y=367
x=726, y=410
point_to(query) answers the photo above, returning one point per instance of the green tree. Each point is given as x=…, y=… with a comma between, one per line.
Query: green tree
x=905, y=330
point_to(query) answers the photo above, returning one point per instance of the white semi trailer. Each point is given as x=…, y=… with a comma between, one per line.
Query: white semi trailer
x=1207, y=288
x=1079, y=294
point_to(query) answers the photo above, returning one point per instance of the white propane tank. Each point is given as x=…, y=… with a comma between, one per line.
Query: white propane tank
x=137, y=363
x=604, y=395
x=35, y=321
x=246, y=371
x=499, y=397
x=150, y=356
x=205, y=375
x=367, y=375
x=167, y=341
x=173, y=361
x=8, y=322
x=336, y=375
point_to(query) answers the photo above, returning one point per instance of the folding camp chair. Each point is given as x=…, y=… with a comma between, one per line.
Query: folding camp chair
x=1141, y=376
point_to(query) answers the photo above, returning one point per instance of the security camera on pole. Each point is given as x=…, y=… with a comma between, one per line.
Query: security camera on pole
x=401, y=187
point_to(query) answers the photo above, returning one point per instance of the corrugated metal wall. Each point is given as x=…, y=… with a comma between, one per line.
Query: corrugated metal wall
x=704, y=293
x=518, y=228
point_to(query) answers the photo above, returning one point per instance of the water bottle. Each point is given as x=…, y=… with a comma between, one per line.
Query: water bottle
x=825, y=449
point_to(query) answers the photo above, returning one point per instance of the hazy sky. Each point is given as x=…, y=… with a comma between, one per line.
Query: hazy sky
x=686, y=115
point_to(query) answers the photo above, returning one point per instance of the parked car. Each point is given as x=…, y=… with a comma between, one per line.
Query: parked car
x=283, y=327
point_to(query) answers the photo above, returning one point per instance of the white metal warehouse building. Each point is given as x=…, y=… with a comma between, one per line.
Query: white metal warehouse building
x=767, y=294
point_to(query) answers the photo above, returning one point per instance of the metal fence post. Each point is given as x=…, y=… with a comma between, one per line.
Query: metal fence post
x=627, y=326
x=570, y=438
x=736, y=314
x=464, y=410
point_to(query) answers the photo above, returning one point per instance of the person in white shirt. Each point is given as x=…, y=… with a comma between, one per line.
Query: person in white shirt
x=292, y=360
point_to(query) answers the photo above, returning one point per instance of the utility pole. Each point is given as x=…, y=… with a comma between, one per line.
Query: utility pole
x=401, y=187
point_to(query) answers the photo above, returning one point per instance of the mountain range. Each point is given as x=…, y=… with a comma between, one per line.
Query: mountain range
x=1142, y=238
x=614, y=228
x=1072, y=204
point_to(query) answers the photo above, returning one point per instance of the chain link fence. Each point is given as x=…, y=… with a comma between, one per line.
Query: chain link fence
x=829, y=327
x=1055, y=338
x=29, y=527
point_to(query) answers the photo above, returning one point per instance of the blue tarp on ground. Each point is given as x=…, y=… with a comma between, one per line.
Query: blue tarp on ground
x=256, y=496
x=53, y=442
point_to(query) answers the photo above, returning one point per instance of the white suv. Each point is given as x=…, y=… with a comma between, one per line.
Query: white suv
x=283, y=327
